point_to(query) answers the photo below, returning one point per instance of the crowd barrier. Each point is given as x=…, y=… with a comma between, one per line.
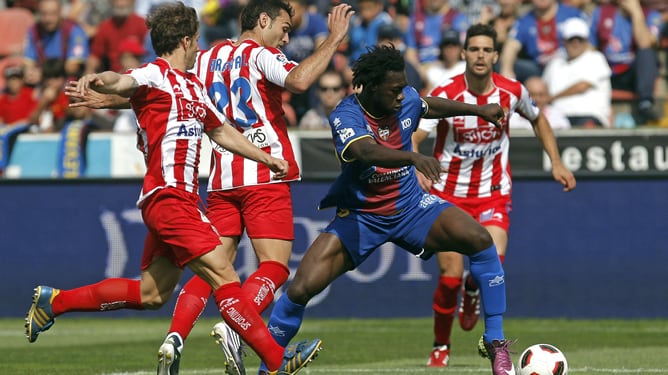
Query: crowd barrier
x=596, y=252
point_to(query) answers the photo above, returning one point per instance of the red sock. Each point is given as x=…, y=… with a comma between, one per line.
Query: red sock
x=261, y=285
x=444, y=305
x=239, y=314
x=108, y=294
x=189, y=306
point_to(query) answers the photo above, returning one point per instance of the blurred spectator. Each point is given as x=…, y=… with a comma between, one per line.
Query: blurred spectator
x=89, y=14
x=309, y=30
x=52, y=36
x=220, y=20
x=430, y=19
x=537, y=88
x=579, y=82
x=587, y=6
x=627, y=33
x=364, y=27
x=131, y=54
x=18, y=101
x=502, y=21
x=534, y=39
x=123, y=24
x=473, y=9
x=331, y=89
x=51, y=111
x=391, y=34
x=450, y=61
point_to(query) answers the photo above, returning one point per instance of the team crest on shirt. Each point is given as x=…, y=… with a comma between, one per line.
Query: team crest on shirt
x=384, y=133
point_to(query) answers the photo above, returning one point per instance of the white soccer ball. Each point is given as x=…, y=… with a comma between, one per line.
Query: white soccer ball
x=542, y=359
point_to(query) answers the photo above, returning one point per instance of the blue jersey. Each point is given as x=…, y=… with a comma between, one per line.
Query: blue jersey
x=612, y=34
x=425, y=34
x=540, y=39
x=372, y=189
x=63, y=44
x=362, y=36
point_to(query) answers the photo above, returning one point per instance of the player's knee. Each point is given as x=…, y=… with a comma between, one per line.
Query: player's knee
x=299, y=293
x=154, y=300
x=479, y=239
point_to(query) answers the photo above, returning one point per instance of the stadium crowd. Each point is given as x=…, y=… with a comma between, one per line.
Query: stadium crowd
x=93, y=36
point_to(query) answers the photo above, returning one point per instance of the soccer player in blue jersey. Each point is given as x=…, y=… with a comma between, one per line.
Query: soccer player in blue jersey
x=378, y=199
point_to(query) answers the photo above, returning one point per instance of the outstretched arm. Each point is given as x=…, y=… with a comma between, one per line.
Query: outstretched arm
x=94, y=99
x=107, y=83
x=441, y=107
x=309, y=70
x=543, y=131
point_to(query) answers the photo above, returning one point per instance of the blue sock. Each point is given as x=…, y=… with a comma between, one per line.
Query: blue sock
x=284, y=322
x=488, y=274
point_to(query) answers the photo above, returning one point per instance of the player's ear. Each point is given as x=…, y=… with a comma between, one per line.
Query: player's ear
x=264, y=20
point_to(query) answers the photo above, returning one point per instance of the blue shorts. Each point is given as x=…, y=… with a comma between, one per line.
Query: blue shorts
x=361, y=233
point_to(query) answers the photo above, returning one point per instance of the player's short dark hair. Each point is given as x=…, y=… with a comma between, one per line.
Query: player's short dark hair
x=371, y=68
x=478, y=30
x=169, y=23
x=252, y=11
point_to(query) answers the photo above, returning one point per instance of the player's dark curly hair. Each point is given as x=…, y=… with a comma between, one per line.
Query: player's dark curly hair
x=372, y=67
x=251, y=12
x=480, y=29
x=169, y=23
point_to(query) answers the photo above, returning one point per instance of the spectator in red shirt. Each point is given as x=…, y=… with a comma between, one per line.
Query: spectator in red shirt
x=18, y=101
x=52, y=109
x=123, y=24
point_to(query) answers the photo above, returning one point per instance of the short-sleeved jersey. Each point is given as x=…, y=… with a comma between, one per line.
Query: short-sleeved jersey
x=246, y=82
x=173, y=111
x=540, y=39
x=372, y=189
x=473, y=151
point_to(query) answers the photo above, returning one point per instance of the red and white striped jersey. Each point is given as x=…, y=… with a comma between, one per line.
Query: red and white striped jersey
x=473, y=151
x=173, y=111
x=246, y=83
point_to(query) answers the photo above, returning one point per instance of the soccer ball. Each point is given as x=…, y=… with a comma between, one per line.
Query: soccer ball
x=542, y=359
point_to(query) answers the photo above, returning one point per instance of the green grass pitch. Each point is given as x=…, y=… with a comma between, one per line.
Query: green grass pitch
x=82, y=345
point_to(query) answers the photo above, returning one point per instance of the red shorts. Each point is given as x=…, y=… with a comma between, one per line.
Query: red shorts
x=265, y=211
x=177, y=229
x=487, y=211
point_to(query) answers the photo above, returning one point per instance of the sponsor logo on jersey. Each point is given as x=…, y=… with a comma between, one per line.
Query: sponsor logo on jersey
x=388, y=175
x=475, y=153
x=189, y=131
x=406, y=123
x=480, y=134
x=345, y=134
